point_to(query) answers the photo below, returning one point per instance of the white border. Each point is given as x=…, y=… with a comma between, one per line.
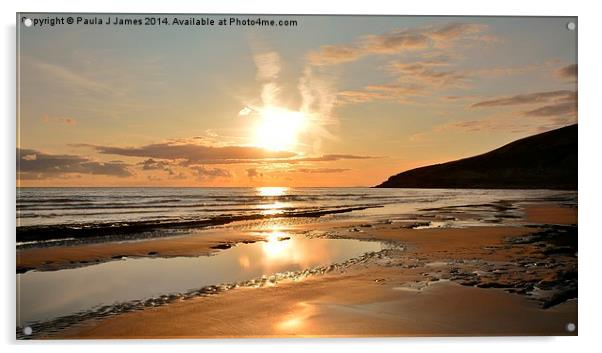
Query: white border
x=589, y=175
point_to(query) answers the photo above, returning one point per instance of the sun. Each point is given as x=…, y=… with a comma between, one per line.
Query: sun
x=278, y=129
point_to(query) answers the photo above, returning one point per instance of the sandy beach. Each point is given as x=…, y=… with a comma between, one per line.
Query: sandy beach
x=486, y=280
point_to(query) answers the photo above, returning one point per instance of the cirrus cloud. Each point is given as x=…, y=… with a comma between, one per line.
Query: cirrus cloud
x=397, y=41
x=567, y=72
x=530, y=98
x=320, y=170
x=555, y=103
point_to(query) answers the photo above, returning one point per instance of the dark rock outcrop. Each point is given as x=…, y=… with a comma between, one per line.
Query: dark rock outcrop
x=544, y=161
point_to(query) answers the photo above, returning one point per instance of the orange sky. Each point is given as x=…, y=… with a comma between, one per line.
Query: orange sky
x=335, y=101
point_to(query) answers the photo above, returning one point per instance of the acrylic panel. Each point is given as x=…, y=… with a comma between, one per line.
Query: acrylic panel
x=238, y=176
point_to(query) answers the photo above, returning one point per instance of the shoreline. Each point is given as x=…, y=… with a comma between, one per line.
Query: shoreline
x=79, y=231
x=203, y=242
x=206, y=241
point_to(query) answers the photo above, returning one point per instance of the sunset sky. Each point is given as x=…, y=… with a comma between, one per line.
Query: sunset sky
x=334, y=101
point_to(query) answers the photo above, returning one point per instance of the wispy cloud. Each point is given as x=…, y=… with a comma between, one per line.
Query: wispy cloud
x=568, y=72
x=268, y=68
x=400, y=92
x=511, y=123
x=398, y=41
x=550, y=109
x=556, y=109
x=529, y=112
x=318, y=98
x=71, y=78
x=427, y=60
x=59, y=120
x=530, y=98
x=557, y=103
x=93, y=83
x=319, y=170
x=330, y=158
x=431, y=74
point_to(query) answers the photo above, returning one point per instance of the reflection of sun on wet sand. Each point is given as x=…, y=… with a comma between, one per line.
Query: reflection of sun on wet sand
x=204, y=243
x=278, y=248
x=487, y=280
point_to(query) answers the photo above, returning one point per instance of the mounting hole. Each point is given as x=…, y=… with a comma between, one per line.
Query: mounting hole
x=571, y=327
x=571, y=26
x=27, y=330
x=28, y=23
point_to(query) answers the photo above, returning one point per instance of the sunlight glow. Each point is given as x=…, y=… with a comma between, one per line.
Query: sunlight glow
x=278, y=129
x=273, y=208
x=300, y=316
x=291, y=323
x=272, y=190
x=275, y=246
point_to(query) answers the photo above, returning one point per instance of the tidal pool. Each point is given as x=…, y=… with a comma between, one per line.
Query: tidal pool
x=44, y=296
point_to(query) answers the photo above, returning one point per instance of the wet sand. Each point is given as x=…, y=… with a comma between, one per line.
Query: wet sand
x=551, y=214
x=343, y=305
x=205, y=242
x=494, y=280
x=55, y=258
